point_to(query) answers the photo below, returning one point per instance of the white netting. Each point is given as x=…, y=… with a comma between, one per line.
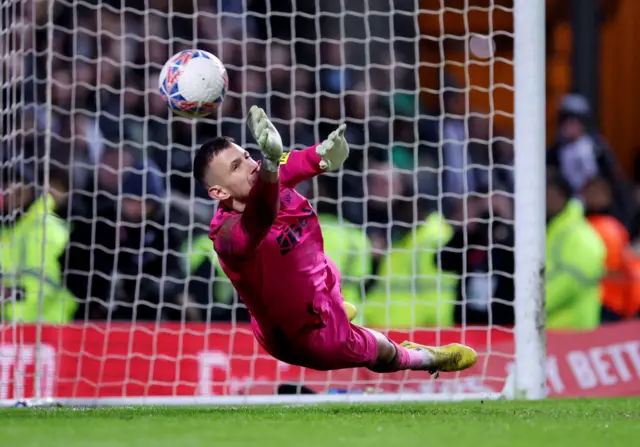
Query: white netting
x=127, y=269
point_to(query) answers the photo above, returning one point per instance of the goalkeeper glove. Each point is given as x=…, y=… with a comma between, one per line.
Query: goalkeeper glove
x=267, y=137
x=334, y=150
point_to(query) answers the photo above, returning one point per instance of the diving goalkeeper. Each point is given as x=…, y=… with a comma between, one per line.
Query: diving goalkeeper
x=269, y=244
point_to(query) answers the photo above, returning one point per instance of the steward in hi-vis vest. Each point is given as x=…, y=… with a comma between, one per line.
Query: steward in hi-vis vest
x=575, y=261
x=32, y=240
x=409, y=290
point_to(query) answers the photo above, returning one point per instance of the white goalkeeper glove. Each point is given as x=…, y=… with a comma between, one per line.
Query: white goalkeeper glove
x=267, y=137
x=334, y=150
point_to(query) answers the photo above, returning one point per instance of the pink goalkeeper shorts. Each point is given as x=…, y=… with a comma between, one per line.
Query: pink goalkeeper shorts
x=334, y=344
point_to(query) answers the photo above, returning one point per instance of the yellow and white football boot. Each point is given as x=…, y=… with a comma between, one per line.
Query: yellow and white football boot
x=448, y=358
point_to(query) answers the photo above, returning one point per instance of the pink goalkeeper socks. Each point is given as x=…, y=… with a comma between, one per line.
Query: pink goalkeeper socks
x=407, y=358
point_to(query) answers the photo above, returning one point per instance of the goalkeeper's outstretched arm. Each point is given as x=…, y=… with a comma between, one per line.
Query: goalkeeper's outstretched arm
x=298, y=166
x=243, y=233
x=264, y=201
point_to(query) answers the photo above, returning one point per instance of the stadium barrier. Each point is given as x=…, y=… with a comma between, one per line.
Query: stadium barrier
x=178, y=361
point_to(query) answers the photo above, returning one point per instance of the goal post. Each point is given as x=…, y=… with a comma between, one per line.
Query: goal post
x=81, y=109
x=530, y=186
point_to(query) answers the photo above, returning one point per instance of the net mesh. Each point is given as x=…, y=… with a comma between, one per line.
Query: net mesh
x=110, y=287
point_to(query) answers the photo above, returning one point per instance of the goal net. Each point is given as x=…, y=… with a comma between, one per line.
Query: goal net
x=110, y=290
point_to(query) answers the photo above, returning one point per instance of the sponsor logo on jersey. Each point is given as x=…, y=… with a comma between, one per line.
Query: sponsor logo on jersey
x=284, y=158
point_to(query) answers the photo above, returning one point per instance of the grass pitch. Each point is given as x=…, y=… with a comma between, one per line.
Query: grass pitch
x=582, y=423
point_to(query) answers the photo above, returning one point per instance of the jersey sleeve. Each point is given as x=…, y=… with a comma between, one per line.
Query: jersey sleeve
x=298, y=166
x=241, y=234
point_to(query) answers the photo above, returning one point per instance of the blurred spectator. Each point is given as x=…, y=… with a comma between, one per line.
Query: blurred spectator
x=575, y=260
x=295, y=22
x=32, y=238
x=481, y=254
x=409, y=291
x=457, y=180
x=385, y=189
x=295, y=122
x=111, y=168
x=368, y=134
x=253, y=85
x=127, y=261
x=621, y=283
x=78, y=139
x=580, y=154
x=404, y=235
x=207, y=283
x=280, y=74
x=415, y=129
x=472, y=161
x=491, y=157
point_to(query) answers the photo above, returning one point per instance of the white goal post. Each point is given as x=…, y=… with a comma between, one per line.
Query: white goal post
x=85, y=134
x=530, y=141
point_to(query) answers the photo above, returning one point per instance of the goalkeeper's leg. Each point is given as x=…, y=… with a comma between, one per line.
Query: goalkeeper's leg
x=339, y=344
x=393, y=357
x=407, y=355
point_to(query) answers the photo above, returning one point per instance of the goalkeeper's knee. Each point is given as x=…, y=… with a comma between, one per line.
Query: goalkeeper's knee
x=351, y=310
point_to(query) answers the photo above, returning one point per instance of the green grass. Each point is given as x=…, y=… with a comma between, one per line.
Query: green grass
x=581, y=423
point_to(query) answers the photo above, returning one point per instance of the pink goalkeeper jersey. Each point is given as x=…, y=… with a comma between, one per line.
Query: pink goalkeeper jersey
x=273, y=252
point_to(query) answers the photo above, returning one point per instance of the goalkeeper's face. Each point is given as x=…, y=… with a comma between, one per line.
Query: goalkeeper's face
x=232, y=173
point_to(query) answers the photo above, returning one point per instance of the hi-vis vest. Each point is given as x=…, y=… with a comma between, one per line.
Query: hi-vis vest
x=410, y=291
x=30, y=270
x=195, y=253
x=349, y=248
x=575, y=265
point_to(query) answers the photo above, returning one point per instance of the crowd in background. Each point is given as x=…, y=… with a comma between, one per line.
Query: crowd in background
x=420, y=221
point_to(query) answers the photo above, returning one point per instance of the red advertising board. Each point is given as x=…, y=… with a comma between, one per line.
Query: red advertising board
x=604, y=362
x=99, y=360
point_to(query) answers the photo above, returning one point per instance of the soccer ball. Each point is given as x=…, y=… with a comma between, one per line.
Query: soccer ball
x=193, y=83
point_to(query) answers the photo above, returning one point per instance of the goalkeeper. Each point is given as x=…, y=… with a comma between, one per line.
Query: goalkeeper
x=269, y=244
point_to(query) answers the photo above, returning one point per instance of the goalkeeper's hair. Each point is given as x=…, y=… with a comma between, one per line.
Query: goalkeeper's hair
x=205, y=154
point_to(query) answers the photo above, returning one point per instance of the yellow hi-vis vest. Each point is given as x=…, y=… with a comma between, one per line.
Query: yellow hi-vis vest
x=350, y=248
x=30, y=269
x=410, y=292
x=575, y=264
